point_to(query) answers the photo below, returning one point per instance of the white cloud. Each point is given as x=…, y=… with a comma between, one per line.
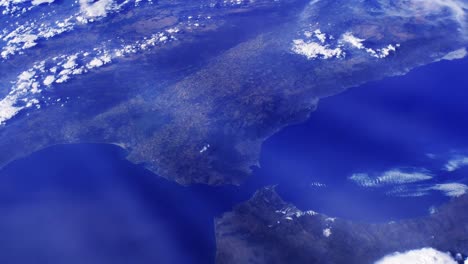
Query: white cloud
x=96, y=62
x=15, y=101
x=20, y=6
x=456, y=54
x=451, y=189
x=8, y=109
x=302, y=213
x=26, y=35
x=71, y=62
x=292, y=211
x=418, y=256
x=19, y=37
x=317, y=46
x=40, y=2
x=456, y=163
x=314, y=50
x=25, y=90
x=318, y=184
x=383, y=52
x=205, y=148
x=92, y=9
x=327, y=232
x=49, y=80
x=391, y=177
x=358, y=43
x=320, y=36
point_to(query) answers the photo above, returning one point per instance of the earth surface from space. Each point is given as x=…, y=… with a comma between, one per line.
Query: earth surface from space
x=233, y=131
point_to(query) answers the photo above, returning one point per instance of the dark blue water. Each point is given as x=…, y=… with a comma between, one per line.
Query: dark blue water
x=86, y=204
x=393, y=123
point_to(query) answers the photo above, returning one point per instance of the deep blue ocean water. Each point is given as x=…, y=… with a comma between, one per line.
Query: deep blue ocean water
x=86, y=204
x=392, y=123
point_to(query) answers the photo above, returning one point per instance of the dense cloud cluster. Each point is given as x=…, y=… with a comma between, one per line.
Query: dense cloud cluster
x=418, y=256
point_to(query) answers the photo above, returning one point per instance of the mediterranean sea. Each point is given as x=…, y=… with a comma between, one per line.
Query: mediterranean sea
x=86, y=204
